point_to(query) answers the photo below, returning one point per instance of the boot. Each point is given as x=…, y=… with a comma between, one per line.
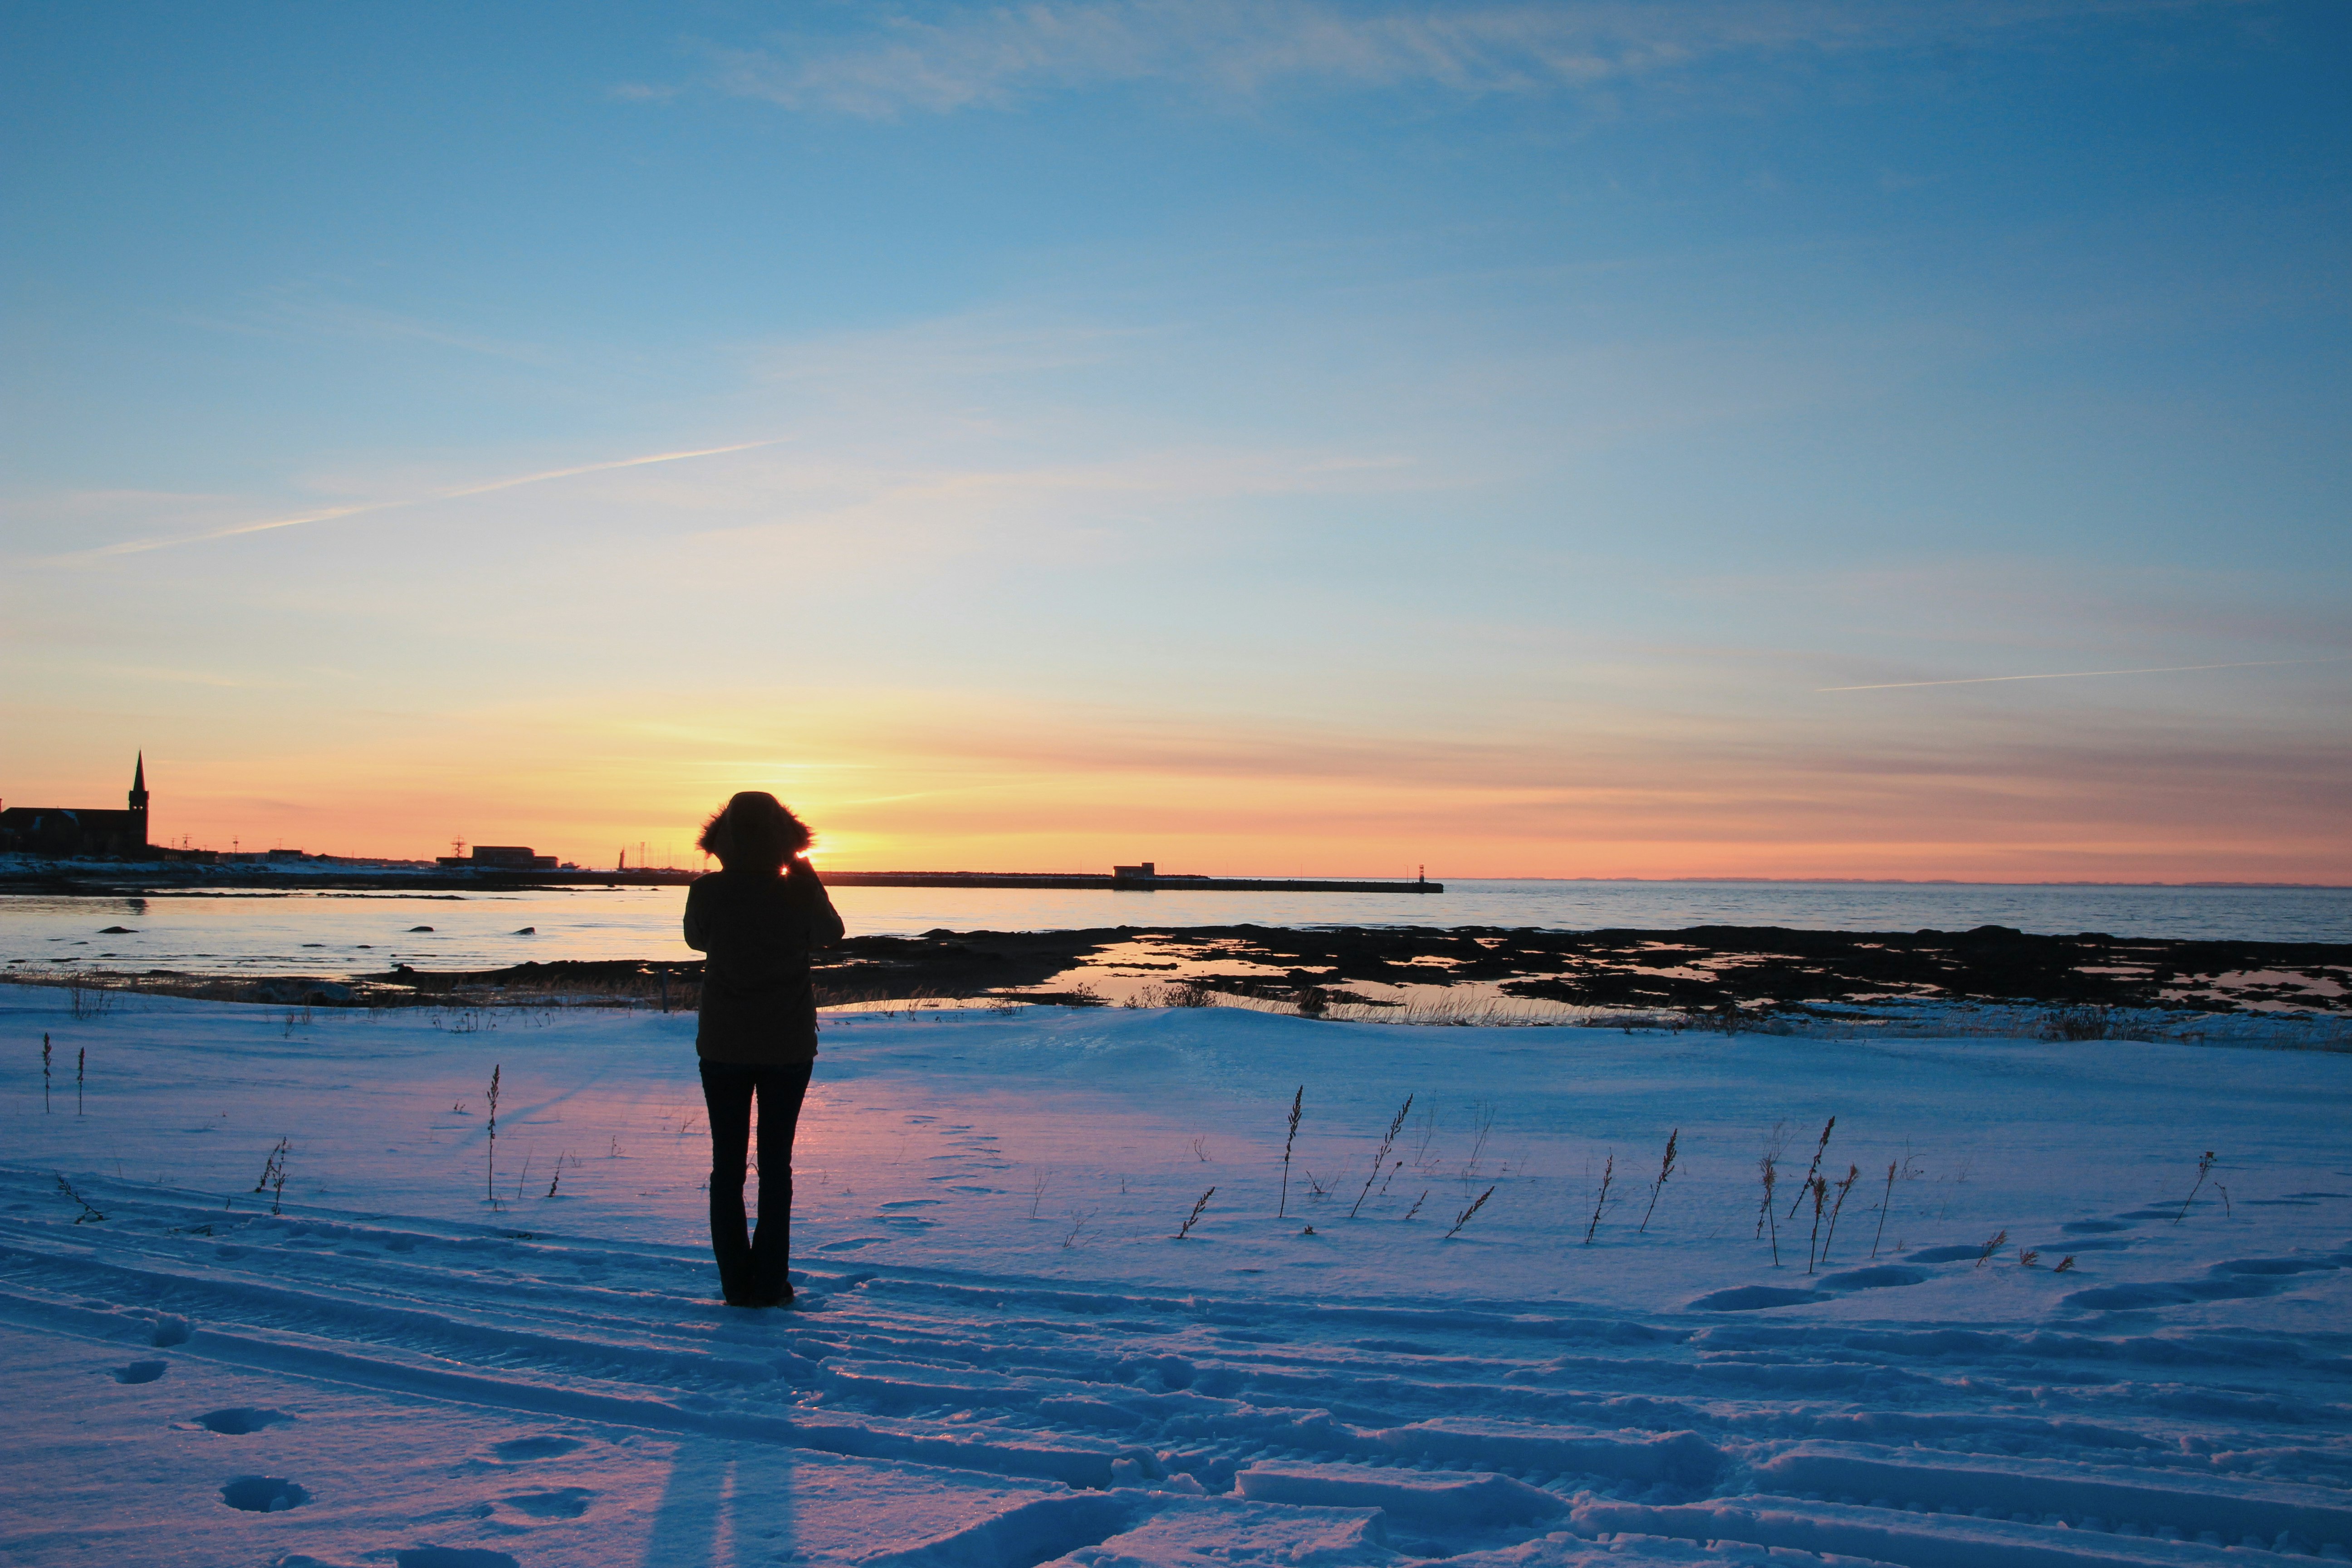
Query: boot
x=734, y=1255
x=768, y=1272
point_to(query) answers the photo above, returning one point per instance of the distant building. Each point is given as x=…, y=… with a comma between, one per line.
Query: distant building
x=70, y=833
x=501, y=858
x=1143, y=873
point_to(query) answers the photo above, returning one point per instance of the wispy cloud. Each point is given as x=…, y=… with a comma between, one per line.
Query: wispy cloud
x=331, y=514
x=2081, y=674
x=999, y=55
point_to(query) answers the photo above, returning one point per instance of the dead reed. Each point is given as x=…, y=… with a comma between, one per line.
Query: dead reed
x=491, y=1165
x=45, y=1075
x=1599, y=1201
x=273, y=1175
x=1853, y=1174
x=1417, y=1203
x=1818, y=1188
x=1463, y=1217
x=2204, y=1166
x=1297, y=1104
x=88, y=1216
x=82, y=1064
x=1884, y=1204
x=1666, y=1169
x=1814, y=1169
x=1194, y=1218
x=1379, y=1155
x=1769, y=1174
x=1999, y=1240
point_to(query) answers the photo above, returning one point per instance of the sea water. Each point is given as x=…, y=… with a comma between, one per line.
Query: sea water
x=344, y=933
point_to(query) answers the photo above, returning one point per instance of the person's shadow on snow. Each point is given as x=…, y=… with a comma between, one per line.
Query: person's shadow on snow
x=726, y=1503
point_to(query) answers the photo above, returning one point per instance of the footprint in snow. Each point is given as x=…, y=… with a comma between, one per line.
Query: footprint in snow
x=1883, y=1277
x=545, y=1446
x=453, y=1557
x=264, y=1494
x=239, y=1420
x=2093, y=1227
x=1947, y=1254
x=852, y=1243
x=1752, y=1299
x=564, y=1502
x=909, y=1204
x=140, y=1371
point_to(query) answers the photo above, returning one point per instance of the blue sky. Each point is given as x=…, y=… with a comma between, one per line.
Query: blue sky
x=1276, y=437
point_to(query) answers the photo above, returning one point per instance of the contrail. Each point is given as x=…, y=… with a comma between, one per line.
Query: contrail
x=2079, y=674
x=140, y=546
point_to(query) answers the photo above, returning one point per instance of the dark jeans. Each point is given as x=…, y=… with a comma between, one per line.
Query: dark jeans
x=751, y=1269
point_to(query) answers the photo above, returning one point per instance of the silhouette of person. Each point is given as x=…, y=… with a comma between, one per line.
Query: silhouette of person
x=758, y=917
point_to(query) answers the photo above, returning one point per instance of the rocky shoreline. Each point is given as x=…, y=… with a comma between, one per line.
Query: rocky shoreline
x=1700, y=972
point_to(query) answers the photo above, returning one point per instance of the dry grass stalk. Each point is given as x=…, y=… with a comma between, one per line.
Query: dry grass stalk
x=1194, y=1218
x=1608, y=1173
x=490, y=1159
x=81, y=1061
x=1463, y=1217
x=2028, y=1257
x=1666, y=1169
x=1819, y=1188
x=1380, y=1156
x=273, y=1175
x=1298, y=1103
x=2204, y=1166
x=2064, y=1264
x=45, y=1075
x=88, y=1216
x=2000, y=1239
x=1417, y=1203
x=1853, y=1174
x=1767, y=1172
x=1884, y=1204
x=1815, y=1168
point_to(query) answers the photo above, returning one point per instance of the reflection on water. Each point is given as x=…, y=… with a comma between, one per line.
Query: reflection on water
x=335, y=933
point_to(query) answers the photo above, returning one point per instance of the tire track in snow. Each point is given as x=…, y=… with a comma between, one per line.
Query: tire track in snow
x=1470, y=1427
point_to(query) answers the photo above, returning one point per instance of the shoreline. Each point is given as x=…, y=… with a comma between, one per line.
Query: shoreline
x=1719, y=975
x=108, y=878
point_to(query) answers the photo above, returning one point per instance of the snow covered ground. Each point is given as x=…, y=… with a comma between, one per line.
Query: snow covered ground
x=1002, y=1355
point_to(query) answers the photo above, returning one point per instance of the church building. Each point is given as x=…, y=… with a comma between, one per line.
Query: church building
x=65, y=833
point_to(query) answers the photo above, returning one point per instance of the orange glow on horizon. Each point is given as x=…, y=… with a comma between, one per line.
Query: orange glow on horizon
x=912, y=789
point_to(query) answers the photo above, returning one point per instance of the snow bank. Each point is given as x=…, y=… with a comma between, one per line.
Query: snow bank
x=419, y=1350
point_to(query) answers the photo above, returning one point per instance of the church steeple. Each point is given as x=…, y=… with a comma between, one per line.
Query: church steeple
x=139, y=794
